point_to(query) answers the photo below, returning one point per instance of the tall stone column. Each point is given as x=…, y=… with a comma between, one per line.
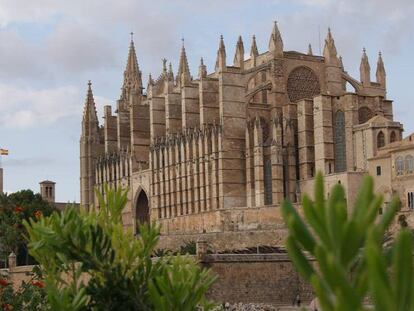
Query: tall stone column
x=306, y=139
x=323, y=136
x=276, y=158
x=232, y=138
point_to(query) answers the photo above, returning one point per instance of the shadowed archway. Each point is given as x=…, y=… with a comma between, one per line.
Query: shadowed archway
x=141, y=210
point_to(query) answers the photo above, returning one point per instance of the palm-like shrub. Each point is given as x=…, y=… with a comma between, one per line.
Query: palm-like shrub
x=91, y=262
x=350, y=262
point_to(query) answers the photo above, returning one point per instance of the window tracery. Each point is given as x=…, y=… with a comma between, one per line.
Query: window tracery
x=302, y=83
x=340, y=144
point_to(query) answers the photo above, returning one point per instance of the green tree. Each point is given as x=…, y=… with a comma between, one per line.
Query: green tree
x=91, y=262
x=351, y=260
x=14, y=209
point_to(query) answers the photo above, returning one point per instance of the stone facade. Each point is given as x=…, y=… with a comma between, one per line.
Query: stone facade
x=393, y=171
x=214, y=156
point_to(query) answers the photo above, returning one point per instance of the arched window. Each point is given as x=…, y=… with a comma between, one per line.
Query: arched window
x=399, y=165
x=409, y=164
x=339, y=140
x=141, y=211
x=380, y=140
x=393, y=137
x=364, y=114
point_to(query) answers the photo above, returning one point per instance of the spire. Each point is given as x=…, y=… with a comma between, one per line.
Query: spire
x=329, y=51
x=183, y=68
x=239, y=55
x=254, y=51
x=202, y=69
x=341, y=64
x=275, y=42
x=221, y=55
x=380, y=74
x=164, y=67
x=365, y=69
x=310, y=49
x=89, y=112
x=132, y=74
x=170, y=72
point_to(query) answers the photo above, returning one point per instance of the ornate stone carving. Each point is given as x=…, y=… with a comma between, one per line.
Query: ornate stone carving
x=302, y=83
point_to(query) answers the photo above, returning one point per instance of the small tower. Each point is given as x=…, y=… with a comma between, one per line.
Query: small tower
x=89, y=149
x=365, y=69
x=239, y=55
x=276, y=42
x=380, y=74
x=47, y=190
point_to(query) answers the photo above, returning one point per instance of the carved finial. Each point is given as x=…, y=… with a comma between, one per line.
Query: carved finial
x=132, y=36
x=164, y=65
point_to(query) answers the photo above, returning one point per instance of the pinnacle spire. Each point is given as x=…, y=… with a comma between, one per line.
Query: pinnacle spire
x=170, y=72
x=132, y=74
x=183, y=68
x=310, y=49
x=341, y=63
x=381, y=74
x=276, y=42
x=221, y=55
x=365, y=69
x=254, y=51
x=89, y=112
x=239, y=55
x=202, y=69
x=329, y=50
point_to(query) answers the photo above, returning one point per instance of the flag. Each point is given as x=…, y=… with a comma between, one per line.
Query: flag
x=4, y=152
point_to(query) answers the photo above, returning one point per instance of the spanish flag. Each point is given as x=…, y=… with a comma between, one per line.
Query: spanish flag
x=4, y=152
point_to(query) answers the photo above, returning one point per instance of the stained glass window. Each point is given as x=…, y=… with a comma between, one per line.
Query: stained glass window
x=268, y=180
x=339, y=141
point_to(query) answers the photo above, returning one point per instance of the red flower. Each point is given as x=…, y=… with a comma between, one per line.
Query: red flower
x=38, y=284
x=18, y=209
x=7, y=307
x=38, y=214
x=3, y=282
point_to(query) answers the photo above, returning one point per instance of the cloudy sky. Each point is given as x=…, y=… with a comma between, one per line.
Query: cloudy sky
x=49, y=49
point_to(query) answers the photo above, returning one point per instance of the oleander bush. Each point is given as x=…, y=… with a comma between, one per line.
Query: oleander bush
x=91, y=263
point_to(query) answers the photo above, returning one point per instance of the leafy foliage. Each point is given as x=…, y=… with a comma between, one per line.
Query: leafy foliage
x=92, y=263
x=14, y=208
x=352, y=261
x=30, y=296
